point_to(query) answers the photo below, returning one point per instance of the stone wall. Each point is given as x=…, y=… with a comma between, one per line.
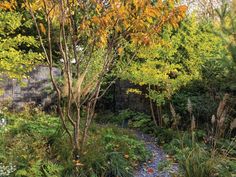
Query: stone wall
x=130, y=101
x=35, y=89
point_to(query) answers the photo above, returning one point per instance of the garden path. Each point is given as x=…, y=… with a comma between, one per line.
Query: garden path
x=149, y=168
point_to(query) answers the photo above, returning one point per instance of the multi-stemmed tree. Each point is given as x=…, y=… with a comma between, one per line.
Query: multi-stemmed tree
x=91, y=36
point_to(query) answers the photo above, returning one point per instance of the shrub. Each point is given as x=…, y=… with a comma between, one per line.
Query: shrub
x=142, y=122
x=118, y=119
x=128, y=118
x=198, y=162
x=164, y=135
x=117, y=152
x=25, y=143
x=35, y=146
x=196, y=159
x=41, y=169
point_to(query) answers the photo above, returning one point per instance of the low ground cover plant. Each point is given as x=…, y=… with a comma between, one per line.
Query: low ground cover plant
x=32, y=145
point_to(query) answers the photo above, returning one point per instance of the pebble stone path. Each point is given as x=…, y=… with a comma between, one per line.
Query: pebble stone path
x=149, y=168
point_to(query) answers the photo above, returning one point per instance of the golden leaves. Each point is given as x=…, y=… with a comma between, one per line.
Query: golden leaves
x=48, y=7
x=5, y=5
x=141, y=38
x=131, y=19
x=42, y=28
x=95, y=20
x=177, y=15
x=152, y=12
x=8, y=5
x=181, y=11
x=138, y=20
x=120, y=50
x=134, y=90
x=78, y=163
x=182, y=8
x=34, y=5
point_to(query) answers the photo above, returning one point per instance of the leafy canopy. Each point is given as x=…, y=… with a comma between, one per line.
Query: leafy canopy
x=176, y=60
x=17, y=54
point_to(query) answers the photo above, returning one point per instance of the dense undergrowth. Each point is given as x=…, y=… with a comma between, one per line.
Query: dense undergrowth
x=33, y=144
x=197, y=153
x=182, y=68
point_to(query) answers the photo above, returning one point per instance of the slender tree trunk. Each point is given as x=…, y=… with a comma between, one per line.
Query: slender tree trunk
x=152, y=110
x=77, y=135
x=153, y=113
x=90, y=114
x=159, y=115
x=85, y=133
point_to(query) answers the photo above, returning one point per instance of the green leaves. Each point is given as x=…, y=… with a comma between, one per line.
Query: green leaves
x=17, y=57
x=9, y=22
x=175, y=61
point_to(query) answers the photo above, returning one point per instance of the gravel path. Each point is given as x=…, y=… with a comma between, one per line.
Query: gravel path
x=149, y=168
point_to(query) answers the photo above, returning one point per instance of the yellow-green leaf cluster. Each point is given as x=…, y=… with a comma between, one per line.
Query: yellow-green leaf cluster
x=175, y=61
x=16, y=57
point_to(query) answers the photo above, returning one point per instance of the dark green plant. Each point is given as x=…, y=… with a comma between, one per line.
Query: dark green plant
x=142, y=122
x=164, y=135
x=198, y=162
x=197, y=159
x=33, y=142
x=116, y=153
x=165, y=165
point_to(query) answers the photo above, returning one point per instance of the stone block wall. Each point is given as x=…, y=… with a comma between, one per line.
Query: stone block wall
x=35, y=89
x=124, y=100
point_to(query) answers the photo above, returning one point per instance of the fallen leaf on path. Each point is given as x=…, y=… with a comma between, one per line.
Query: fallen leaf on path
x=150, y=170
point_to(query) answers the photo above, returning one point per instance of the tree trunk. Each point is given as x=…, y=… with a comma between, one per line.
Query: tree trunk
x=76, y=136
x=153, y=113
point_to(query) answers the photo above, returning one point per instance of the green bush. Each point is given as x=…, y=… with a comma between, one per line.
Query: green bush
x=227, y=146
x=198, y=162
x=164, y=135
x=41, y=169
x=165, y=165
x=142, y=122
x=118, y=118
x=117, y=152
x=25, y=143
x=197, y=159
x=35, y=145
x=136, y=120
